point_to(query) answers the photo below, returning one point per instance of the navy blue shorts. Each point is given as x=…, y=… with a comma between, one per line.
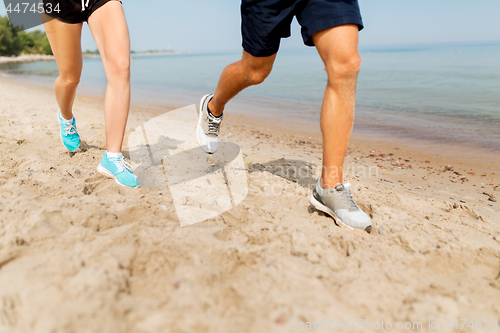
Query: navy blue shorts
x=265, y=22
x=73, y=11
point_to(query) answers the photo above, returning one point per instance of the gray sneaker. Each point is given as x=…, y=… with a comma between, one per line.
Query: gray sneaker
x=339, y=204
x=208, y=128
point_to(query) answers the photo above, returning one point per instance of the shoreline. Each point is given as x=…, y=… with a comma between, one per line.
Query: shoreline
x=366, y=129
x=391, y=136
x=481, y=159
x=455, y=143
x=45, y=57
x=26, y=58
x=147, y=53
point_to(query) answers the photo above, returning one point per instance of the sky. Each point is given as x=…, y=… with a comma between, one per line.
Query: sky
x=206, y=26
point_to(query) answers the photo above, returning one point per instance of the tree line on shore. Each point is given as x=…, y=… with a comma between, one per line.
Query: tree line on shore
x=14, y=42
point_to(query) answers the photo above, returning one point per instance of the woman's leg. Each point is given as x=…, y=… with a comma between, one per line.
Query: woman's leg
x=110, y=31
x=65, y=41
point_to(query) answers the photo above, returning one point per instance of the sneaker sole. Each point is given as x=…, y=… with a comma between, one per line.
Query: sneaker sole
x=103, y=171
x=322, y=208
x=199, y=124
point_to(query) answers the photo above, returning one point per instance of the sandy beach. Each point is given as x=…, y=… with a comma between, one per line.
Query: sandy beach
x=78, y=253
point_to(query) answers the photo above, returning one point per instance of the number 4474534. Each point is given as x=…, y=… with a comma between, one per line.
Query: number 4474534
x=472, y=323
x=26, y=7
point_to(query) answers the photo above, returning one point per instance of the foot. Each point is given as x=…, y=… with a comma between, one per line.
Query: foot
x=119, y=169
x=208, y=127
x=339, y=204
x=69, y=135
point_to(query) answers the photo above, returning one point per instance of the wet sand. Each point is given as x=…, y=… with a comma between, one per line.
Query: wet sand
x=80, y=254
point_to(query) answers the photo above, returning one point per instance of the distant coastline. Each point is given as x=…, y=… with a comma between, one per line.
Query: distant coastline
x=133, y=53
x=44, y=57
x=33, y=58
x=95, y=53
x=26, y=58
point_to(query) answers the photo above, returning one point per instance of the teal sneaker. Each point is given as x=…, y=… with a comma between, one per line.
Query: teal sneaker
x=69, y=135
x=119, y=169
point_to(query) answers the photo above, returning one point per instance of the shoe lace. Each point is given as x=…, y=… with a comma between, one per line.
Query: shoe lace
x=70, y=129
x=346, y=196
x=122, y=165
x=213, y=125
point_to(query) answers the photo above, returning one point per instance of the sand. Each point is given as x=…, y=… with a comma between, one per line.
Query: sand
x=78, y=253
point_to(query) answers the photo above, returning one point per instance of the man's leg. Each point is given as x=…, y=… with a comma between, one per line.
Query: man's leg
x=338, y=47
x=247, y=72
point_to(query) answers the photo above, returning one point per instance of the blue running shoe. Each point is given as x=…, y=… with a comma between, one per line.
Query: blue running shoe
x=69, y=135
x=119, y=169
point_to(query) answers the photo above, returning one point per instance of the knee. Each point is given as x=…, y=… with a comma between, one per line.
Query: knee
x=69, y=81
x=258, y=75
x=120, y=68
x=344, y=67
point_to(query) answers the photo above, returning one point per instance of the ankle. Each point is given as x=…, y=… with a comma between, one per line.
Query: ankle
x=67, y=117
x=214, y=110
x=330, y=182
x=113, y=154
